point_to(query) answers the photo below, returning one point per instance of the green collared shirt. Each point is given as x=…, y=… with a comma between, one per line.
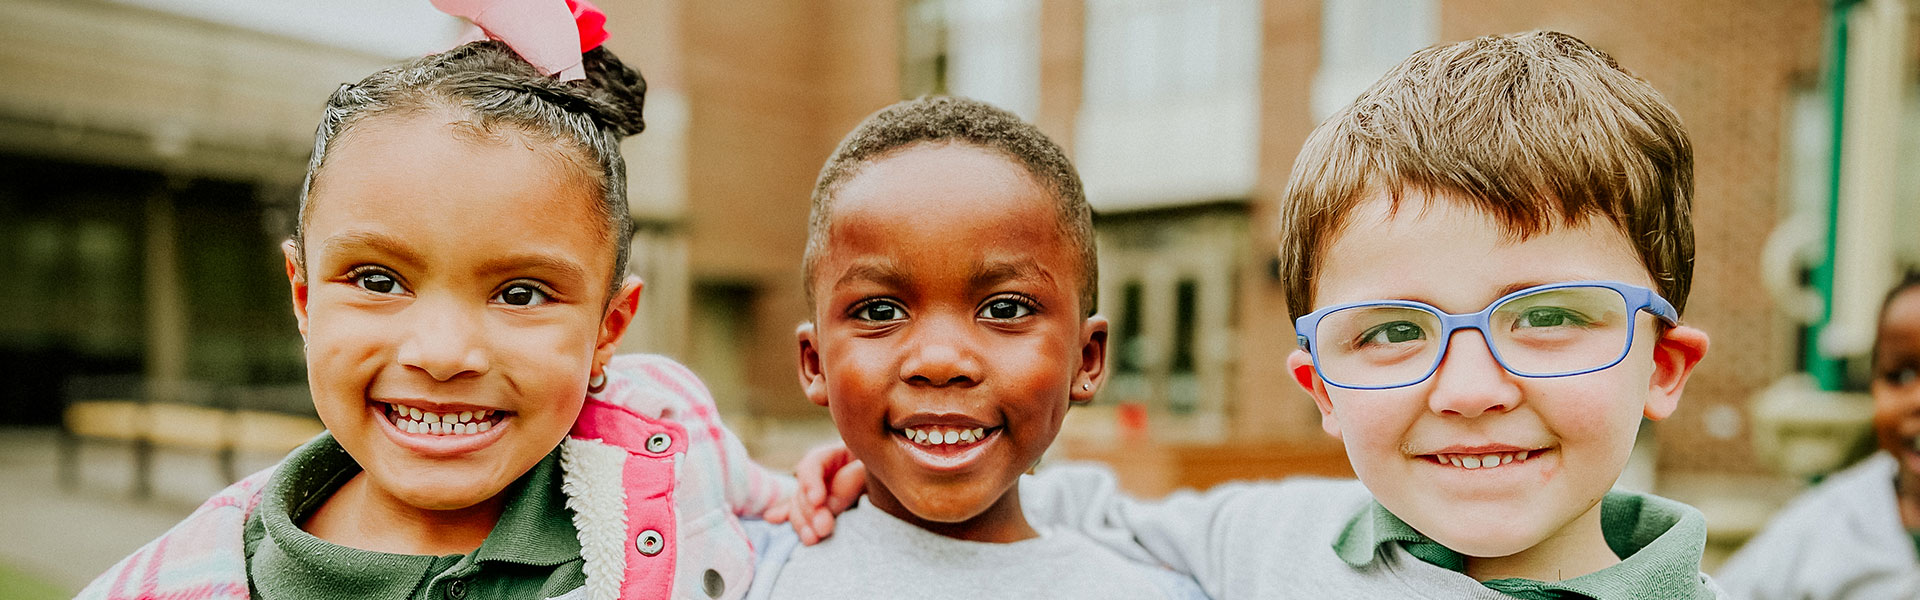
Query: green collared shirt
x=533, y=551
x=1659, y=541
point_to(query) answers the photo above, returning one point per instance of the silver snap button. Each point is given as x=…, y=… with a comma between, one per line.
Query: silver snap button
x=649, y=542
x=659, y=442
x=714, y=583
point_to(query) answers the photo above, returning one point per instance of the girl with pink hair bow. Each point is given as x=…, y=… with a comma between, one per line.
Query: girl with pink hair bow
x=459, y=275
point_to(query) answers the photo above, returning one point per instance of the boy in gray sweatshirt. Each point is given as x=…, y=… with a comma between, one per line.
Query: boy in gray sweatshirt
x=1854, y=536
x=950, y=264
x=1486, y=254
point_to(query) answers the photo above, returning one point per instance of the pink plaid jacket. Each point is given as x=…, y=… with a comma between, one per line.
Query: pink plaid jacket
x=655, y=483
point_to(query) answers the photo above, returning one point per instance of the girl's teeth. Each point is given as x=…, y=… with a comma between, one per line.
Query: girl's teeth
x=414, y=420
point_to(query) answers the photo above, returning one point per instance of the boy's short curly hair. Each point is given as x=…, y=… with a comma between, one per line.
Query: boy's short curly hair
x=1537, y=129
x=944, y=119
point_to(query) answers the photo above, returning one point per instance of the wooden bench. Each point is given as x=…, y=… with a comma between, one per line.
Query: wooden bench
x=224, y=420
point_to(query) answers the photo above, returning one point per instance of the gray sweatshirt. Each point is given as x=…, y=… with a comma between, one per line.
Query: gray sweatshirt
x=1842, y=539
x=872, y=554
x=1277, y=539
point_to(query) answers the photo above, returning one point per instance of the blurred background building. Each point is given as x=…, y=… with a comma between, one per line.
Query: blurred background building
x=151, y=153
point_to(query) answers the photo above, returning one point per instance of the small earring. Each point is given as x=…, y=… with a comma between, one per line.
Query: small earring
x=597, y=382
x=1086, y=386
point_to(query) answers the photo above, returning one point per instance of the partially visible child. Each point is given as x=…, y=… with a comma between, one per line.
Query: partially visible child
x=1854, y=536
x=1486, y=253
x=950, y=264
x=459, y=277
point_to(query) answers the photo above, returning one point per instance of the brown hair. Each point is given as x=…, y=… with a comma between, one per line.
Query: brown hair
x=941, y=119
x=1537, y=129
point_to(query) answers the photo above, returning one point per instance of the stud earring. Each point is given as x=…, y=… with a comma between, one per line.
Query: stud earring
x=1086, y=386
x=597, y=382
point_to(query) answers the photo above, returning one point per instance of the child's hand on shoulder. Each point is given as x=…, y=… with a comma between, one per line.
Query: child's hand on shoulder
x=830, y=481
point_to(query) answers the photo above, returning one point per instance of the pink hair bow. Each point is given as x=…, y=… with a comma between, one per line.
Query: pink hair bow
x=550, y=34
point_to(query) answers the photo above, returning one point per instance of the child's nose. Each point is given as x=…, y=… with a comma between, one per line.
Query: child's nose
x=1469, y=381
x=444, y=340
x=940, y=357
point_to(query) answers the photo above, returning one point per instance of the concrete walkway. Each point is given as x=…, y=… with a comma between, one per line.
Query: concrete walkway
x=67, y=537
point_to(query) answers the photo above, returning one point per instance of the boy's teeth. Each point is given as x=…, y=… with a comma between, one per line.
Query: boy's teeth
x=935, y=437
x=1483, y=461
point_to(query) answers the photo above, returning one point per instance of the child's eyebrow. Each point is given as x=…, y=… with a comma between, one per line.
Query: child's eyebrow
x=993, y=272
x=565, y=269
x=881, y=272
x=1003, y=270
x=370, y=241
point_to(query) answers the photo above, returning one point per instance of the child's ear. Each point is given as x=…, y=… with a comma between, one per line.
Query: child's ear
x=1675, y=354
x=299, y=284
x=1300, y=365
x=1093, y=360
x=813, y=381
x=620, y=312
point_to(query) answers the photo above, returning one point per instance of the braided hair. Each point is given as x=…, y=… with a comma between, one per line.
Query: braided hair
x=486, y=79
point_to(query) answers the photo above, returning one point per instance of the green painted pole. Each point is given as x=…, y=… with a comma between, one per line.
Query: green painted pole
x=1829, y=371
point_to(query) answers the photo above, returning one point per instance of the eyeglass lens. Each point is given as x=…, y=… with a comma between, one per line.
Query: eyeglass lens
x=1555, y=331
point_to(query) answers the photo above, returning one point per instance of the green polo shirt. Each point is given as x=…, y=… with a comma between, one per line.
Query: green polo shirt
x=1659, y=542
x=533, y=551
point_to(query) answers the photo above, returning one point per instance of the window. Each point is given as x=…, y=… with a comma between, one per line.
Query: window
x=1361, y=39
x=723, y=333
x=988, y=50
x=1170, y=109
x=1183, y=387
x=1128, y=355
x=1168, y=279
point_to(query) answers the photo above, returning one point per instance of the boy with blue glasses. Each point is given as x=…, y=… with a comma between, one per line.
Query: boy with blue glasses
x=1554, y=330
x=1488, y=252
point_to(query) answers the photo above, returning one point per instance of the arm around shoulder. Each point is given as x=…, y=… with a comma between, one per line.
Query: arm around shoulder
x=1205, y=534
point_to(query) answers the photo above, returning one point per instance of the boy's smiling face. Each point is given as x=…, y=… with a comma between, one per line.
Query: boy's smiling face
x=947, y=308
x=1896, y=386
x=1580, y=428
x=458, y=276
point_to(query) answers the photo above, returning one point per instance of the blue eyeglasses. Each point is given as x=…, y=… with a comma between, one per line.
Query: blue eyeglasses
x=1553, y=330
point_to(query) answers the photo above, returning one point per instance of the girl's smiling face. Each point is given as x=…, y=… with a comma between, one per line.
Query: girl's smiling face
x=456, y=272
